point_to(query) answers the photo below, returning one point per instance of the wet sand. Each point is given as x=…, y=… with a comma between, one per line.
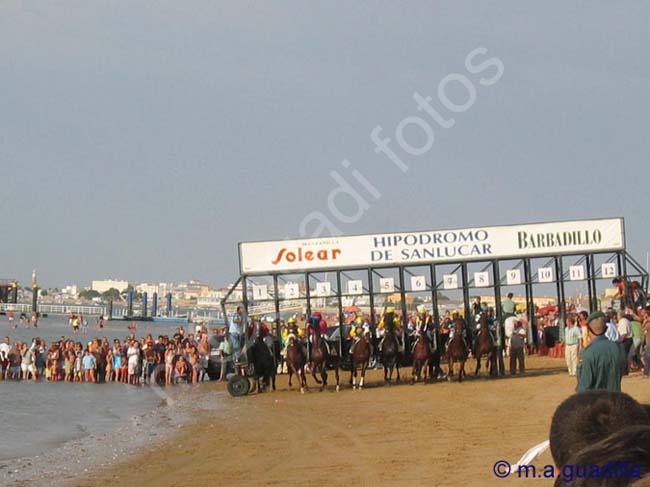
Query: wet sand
x=402, y=435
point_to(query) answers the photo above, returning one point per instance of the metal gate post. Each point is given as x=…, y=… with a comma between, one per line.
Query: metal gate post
x=530, y=304
x=466, y=302
x=496, y=278
x=372, y=300
x=340, y=302
x=434, y=294
x=276, y=302
x=561, y=299
x=308, y=296
x=402, y=294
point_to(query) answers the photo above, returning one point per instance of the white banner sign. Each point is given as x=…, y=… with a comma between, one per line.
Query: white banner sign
x=481, y=243
x=450, y=281
x=386, y=285
x=481, y=279
x=418, y=283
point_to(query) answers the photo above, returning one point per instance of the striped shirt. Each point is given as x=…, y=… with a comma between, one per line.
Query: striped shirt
x=572, y=335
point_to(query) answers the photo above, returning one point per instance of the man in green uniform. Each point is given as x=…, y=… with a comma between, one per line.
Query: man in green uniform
x=601, y=365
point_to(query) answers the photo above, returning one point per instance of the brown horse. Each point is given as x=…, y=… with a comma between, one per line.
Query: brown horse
x=389, y=350
x=484, y=345
x=320, y=359
x=457, y=351
x=296, y=361
x=360, y=359
x=422, y=356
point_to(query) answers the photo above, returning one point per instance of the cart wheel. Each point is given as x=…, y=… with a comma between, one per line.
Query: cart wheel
x=238, y=385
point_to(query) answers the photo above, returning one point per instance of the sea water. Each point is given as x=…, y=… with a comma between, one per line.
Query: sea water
x=36, y=417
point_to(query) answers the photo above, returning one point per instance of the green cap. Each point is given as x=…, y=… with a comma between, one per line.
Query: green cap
x=595, y=315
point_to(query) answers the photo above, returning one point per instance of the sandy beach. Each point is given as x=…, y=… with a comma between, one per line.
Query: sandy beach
x=434, y=434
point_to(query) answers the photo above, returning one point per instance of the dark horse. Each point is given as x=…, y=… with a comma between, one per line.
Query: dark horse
x=484, y=345
x=390, y=349
x=457, y=350
x=264, y=366
x=296, y=361
x=360, y=359
x=320, y=359
x=422, y=356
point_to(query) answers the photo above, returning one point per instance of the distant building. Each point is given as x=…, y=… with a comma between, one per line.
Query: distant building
x=150, y=289
x=70, y=291
x=103, y=286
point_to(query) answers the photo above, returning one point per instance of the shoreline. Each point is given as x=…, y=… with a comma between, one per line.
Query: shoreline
x=73, y=459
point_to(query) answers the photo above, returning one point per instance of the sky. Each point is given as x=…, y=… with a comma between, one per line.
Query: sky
x=144, y=139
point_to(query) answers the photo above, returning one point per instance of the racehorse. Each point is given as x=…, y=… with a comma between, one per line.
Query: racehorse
x=296, y=361
x=360, y=359
x=390, y=351
x=484, y=346
x=320, y=359
x=422, y=356
x=457, y=351
x=264, y=366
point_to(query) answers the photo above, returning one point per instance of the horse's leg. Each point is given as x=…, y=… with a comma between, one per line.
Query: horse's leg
x=397, y=367
x=478, y=364
x=290, y=370
x=386, y=371
x=303, y=379
x=353, y=375
x=313, y=368
x=450, y=368
x=336, y=374
x=461, y=372
x=363, y=374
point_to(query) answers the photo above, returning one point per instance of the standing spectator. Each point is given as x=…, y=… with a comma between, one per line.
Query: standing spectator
x=89, y=364
x=572, y=339
x=634, y=355
x=508, y=306
x=134, y=368
x=5, y=348
x=625, y=340
x=225, y=351
x=601, y=360
x=236, y=329
x=517, y=345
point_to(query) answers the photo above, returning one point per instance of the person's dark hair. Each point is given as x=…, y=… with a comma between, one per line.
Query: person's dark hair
x=510, y=295
x=590, y=416
x=625, y=453
x=584, y=314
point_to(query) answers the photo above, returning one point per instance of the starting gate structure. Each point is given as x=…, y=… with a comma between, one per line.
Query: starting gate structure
x=407, y=268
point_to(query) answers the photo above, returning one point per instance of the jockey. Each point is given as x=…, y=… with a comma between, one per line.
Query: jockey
x=424, y=324
x=316, y=322
x=389, y=315
x=356, y=332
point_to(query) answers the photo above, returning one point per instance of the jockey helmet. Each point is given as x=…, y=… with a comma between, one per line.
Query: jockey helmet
x=291, y=320
x=359, y=320
x=390, y=309
x=421, y=309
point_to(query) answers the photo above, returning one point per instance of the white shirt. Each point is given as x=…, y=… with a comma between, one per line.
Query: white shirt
x=133, y=355
x=4, y=349
x=612, y=333
x=624, y=329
